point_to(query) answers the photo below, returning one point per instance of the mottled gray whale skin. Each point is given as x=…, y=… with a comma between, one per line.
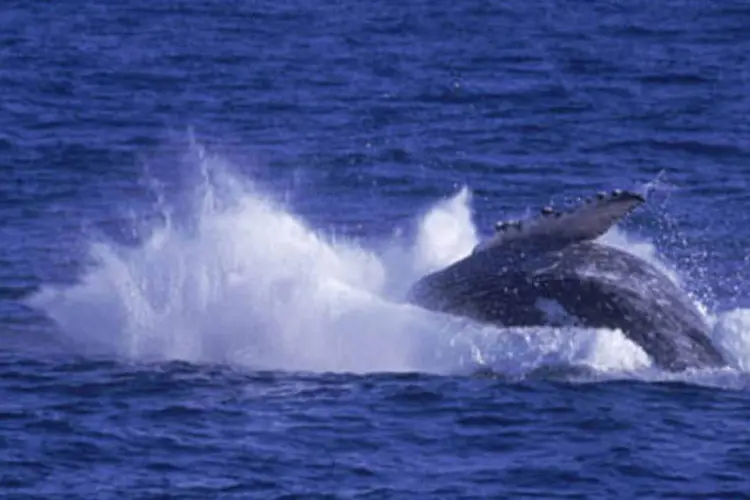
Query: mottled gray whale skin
x=553, y=258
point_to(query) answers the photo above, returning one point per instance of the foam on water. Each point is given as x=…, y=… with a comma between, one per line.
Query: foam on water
x=249, y=283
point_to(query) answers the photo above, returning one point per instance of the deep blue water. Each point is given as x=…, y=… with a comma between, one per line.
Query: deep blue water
x=209, y=210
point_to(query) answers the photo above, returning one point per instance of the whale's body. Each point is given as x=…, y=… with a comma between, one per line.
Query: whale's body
x=554, y=262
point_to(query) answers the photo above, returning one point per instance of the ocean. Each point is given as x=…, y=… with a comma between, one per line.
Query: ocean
x=210, y=213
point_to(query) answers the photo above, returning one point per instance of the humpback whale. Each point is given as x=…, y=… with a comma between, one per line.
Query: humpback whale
x=554, y=258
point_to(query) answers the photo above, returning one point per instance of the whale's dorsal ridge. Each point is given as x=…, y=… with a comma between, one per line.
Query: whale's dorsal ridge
x=585, y=222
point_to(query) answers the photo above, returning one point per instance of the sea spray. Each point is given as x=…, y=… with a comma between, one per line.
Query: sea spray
x=232, y=276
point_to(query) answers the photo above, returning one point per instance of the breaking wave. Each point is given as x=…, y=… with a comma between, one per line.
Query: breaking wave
x=248, y=282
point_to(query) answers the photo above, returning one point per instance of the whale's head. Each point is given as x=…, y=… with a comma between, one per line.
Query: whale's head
x=586, y=221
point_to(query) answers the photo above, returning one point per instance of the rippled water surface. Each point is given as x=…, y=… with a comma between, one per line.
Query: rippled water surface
x=210, y=211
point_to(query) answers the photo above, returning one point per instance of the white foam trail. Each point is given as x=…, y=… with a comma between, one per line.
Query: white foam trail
x=517, y=351
x=249, y=283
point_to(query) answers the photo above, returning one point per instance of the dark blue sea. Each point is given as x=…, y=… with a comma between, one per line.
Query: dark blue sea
x=210, y=212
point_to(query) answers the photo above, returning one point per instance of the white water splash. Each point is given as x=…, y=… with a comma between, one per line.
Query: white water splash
x=249, y=283
x=617, y=238
x=731, y=333
x=446, y=234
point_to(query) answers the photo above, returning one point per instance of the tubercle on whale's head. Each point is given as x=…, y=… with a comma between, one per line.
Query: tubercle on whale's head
x=586, y=221
x=618, y=194
x=616, y=202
